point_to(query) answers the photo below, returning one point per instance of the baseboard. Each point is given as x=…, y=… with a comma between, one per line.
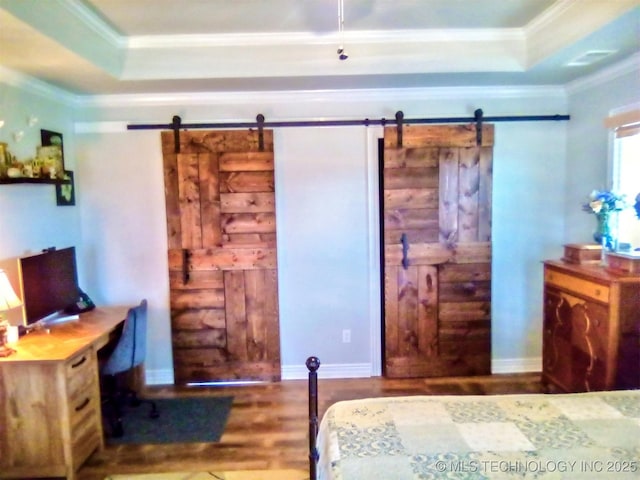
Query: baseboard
x=288, y=372
x=159, y=377
x=346, y=370
x=357, y=370
x=516, y=365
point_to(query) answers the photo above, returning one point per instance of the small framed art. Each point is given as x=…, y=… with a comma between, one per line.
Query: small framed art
x=51, y=154
x=66, y=192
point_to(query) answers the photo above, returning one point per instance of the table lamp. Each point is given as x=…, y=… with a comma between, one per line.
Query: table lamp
x=8, y=300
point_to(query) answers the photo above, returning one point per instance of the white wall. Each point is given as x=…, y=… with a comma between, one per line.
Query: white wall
x=29, y=217
x=528, y=198
x=588, y=141
x=124, y=231
x=321, y=205
x=326, y=199
x=326, y=205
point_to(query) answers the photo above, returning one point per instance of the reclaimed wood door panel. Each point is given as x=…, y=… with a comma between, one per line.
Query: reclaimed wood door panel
x=436, y=220
x=221, y=232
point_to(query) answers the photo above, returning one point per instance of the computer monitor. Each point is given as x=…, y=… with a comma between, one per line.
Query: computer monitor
x=49, y=283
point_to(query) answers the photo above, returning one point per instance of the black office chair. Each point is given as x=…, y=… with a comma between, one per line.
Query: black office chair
x=128, y=353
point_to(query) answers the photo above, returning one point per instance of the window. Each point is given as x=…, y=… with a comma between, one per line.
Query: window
x=626, y=174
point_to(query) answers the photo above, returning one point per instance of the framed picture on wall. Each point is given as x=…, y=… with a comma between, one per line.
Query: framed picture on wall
x=49, y=138
x=66, y=192
x=51, y=153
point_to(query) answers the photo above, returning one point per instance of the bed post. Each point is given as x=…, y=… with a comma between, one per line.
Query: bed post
x=313, y=363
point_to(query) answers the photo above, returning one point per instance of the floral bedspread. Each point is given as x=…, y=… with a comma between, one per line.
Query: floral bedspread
x=556, y=436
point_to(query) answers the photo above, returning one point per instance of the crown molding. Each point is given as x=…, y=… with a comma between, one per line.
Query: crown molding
x=549, y=16
x=94, y=22
x=158, y=57
x=567, y=21
x=36, y=87
x=311, y=96
x=46, y=90
x=624, y=67
x=311, y=38
x=343, y=97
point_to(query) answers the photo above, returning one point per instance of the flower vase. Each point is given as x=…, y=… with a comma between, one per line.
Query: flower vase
x=604, y=234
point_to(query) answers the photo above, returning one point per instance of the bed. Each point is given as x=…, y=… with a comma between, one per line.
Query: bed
x=547, y=436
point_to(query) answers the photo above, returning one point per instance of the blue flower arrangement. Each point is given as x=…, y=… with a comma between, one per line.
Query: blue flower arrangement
x=636, y=206
x=603, y=203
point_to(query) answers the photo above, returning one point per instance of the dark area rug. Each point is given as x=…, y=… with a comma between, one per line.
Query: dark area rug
x=182, y=420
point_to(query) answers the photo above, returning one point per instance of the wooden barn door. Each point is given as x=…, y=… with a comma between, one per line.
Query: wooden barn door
x=221, y=228
x=437, y=251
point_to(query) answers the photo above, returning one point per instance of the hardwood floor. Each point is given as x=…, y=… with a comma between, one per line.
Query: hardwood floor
x=267, y=428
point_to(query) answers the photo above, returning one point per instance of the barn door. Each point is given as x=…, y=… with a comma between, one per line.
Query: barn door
x=437, y=251
x=221, y=230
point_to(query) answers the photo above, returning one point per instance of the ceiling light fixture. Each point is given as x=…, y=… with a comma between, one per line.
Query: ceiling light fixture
x=342, y=55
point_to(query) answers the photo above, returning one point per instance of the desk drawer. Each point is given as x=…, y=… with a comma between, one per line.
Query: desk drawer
x=83, y=402
x=84, y=416
x=82, y=405
x=81, y=372
x=85, y=435
x=581, y=287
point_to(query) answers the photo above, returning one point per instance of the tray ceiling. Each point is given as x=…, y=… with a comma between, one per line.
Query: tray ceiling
x=90, y=47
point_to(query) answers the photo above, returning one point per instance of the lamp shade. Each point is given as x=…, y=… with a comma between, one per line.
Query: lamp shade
x=8, y=297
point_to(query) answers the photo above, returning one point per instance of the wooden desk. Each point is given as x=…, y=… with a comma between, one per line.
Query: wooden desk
x=50, y=417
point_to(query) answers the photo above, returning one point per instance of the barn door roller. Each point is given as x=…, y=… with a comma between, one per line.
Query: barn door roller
x=478, y=116
x=175, y=125
x=260, y=120
x=399, y=119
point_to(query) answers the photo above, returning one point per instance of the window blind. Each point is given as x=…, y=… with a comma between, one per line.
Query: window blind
x=624, y=124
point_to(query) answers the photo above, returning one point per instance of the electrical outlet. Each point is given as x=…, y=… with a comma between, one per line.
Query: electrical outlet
x=346, y=336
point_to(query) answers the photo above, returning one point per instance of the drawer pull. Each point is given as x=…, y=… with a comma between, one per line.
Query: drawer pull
x=79, y=362
x=83, y=404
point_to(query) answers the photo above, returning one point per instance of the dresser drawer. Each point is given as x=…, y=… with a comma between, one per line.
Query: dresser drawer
x=584, y=288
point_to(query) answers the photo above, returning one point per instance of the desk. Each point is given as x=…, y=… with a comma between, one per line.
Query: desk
x=50, y=417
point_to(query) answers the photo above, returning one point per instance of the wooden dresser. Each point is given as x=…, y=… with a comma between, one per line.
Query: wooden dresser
x=50, y=416
x=591, y=337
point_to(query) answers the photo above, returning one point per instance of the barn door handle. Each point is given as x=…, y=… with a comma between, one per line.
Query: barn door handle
x=185, y=266
x=405, y=251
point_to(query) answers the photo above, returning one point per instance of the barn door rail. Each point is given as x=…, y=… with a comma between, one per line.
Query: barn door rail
x=347, y=123
x=176, y=125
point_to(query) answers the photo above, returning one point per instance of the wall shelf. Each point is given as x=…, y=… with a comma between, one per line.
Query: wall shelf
x=38, y=181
